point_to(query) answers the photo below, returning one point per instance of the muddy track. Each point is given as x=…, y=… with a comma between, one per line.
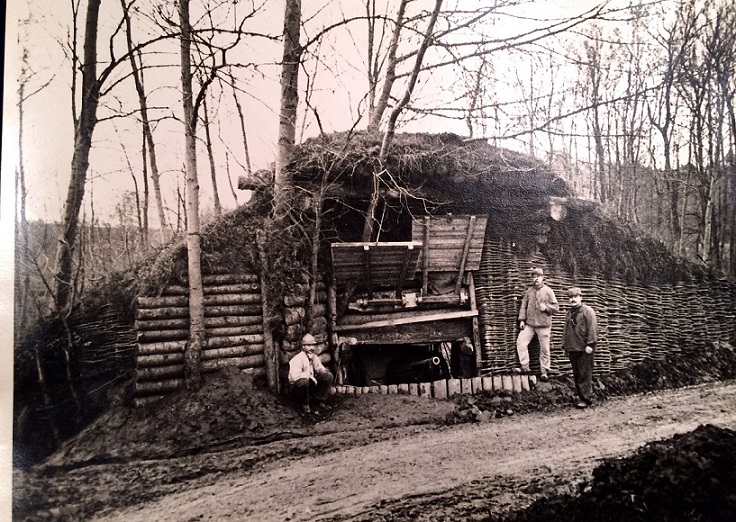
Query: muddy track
x=478, y=468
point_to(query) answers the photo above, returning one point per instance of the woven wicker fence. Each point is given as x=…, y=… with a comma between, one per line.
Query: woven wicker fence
x=635, y=322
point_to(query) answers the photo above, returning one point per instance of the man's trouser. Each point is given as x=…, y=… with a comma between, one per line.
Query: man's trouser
x=522, y=345
x=582, y=371
x=304, y=391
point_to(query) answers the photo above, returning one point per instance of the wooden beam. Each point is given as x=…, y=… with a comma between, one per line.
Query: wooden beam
x=367, y=269
x=404, y=270
x=425, y=259
x=476, y=329
x=271, y=349
x=466, y=248
x=408, y=320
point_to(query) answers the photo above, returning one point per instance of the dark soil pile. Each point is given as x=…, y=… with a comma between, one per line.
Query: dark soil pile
x=689, y=477
x=714, y=362
x=230, y=412
x=227, y=409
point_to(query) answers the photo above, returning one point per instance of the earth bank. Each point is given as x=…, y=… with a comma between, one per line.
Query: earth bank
x=231, y=431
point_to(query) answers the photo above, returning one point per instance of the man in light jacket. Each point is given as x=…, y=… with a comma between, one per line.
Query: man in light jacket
x=309, y=380
x=535, y=318
x=579, y=339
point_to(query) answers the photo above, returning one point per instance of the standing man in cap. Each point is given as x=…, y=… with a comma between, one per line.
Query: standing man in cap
x=309, y=380
x=578, y=340
x=535, y=318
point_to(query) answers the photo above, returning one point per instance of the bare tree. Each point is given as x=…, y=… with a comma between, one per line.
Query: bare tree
x=83, y=129
x=289, y=99
x=210, y=156
x=393, y=117
x=193, y=350
x=150, y=147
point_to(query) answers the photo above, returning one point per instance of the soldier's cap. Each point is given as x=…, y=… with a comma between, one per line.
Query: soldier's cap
x=537, y=272
x=574, y=291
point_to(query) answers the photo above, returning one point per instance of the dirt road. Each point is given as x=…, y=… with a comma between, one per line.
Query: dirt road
x=494, y=465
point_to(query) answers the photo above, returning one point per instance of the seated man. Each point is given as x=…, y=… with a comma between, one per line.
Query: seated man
x=309, y=380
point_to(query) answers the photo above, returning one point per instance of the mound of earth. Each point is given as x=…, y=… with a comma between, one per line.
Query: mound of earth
x=687, y=477
x=712, y=362
x=228, y=411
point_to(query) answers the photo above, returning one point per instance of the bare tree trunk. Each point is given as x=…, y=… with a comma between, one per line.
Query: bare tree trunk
x=374, y=118
x=83, y=131
x=193, y=350
x=22, y=277
x=211, y=156
x=475, y=96
x=372, y=63
x=230, y=179
x=241, y=119
x=289, y=101
x=146, y=190
x=393, y=117
x=147, y=131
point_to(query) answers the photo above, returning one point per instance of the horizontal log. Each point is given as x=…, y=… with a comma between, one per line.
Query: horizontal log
x=232, y=351
x=301, y=299
x=211, y=343
x=293, y=315
x=242, y=310
x=164, y=359
x=294, y=300
x=250, y=361
x=161, y=347
x=233, y=340
x=157, y=373
x=173, y=312
x=209, y=322
x=319, y=310
x=169, y=312
x=236, y=288
x=167, y=385
x=221, y=279
x=224, y=279
x=234, y=330
x=209, y=300
x=149, y=336
x=152, y=336
x=318, y=326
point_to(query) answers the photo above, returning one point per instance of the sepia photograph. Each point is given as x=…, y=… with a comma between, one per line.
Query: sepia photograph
x=368, y=260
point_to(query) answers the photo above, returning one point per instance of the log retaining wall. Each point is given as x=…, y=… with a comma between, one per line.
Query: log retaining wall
x=234, y=333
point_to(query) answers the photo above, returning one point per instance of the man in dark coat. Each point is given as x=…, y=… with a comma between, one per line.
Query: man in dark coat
x=578, y=340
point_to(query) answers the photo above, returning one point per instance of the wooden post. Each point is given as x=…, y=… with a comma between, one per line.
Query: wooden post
x=270, y=351
x=476, y=329
x=367, y=269
x=404, y=269
x=425, y=259
x=466, y=249
x=334, y=345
